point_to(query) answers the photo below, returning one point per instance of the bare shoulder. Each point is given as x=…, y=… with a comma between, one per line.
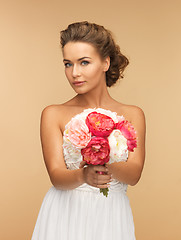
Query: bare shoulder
x=132, y=112
x=54, y=114
x=135, y=115
x=138, y=120
x=53, y=110
x=59, y=114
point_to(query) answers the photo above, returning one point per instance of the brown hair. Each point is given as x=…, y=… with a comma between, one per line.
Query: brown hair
x=103, y=41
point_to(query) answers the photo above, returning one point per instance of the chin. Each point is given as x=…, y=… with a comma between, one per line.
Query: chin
x=81, y=90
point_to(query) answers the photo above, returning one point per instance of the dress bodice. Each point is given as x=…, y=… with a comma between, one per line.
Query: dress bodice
x=73, y=157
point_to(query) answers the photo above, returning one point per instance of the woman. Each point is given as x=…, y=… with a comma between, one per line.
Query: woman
x=74, y=208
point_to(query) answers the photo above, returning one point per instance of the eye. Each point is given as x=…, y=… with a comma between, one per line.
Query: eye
x=84, y=63
x=67, y=65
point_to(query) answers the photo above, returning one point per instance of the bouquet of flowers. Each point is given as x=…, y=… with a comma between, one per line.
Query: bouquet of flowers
x=99, y=137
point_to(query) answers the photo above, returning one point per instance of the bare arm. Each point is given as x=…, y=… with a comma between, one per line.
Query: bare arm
x=51, y=140
x=130, y=171
x=60, y=176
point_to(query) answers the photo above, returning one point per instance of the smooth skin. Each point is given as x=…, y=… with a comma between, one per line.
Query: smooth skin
x=86, y=73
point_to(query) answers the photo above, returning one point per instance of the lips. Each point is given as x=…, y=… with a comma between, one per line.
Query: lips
x=78, y=83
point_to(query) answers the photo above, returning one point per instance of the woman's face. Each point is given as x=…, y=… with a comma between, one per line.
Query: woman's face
x=84, y=68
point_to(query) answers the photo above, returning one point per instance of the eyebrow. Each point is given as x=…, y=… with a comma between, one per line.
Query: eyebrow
x=66, y=60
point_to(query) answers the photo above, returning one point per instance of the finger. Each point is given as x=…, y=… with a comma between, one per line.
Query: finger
x=103, y=176
x=102, y=186
x=101, y=172
x=100, y=168
x=82, y=164
x=98, y=181
x=107, y=165
x=103, y=181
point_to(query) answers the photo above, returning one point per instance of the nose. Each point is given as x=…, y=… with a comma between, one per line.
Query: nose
x=75, y=71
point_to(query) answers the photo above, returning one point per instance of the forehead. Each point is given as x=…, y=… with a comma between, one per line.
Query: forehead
x=79, y=49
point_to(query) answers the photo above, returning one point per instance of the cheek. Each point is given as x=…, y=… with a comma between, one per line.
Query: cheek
x=94, y=71
x=67, y=73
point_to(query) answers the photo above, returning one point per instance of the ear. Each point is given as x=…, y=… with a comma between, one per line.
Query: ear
x=106, y=64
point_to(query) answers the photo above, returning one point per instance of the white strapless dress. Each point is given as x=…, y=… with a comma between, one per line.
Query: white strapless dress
x=84, y=213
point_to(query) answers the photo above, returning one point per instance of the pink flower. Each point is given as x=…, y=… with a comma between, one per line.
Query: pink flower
x=129, y=133
x=78, y=133
x=99, y=124
x=97, y=151
x=132, y=144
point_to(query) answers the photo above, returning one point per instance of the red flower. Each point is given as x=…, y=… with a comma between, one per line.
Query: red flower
x=97, y=151
x=100, y=124
x=129, y=133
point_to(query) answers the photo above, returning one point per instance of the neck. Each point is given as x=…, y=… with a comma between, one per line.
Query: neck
x=96, y=98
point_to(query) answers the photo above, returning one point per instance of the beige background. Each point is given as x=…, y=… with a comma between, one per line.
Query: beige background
x=32, y=77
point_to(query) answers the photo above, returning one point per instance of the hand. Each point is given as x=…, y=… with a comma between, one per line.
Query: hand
x=96, y=175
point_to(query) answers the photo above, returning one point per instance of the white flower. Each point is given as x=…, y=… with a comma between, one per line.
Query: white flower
x=118, y=146
x=70, y=151
x=120, y=118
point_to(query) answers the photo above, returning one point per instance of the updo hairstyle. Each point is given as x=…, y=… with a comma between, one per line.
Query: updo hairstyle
x=103, y=41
